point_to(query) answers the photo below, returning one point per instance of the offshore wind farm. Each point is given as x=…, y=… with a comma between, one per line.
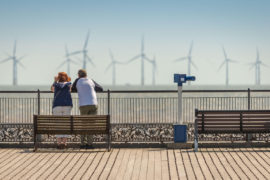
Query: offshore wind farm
x=80, y=58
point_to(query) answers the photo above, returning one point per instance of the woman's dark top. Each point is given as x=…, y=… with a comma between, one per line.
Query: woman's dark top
x=62, y=96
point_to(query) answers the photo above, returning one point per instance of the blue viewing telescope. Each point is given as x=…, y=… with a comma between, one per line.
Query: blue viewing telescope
x=183, y=78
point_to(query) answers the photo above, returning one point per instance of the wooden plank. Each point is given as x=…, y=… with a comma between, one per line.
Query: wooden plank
x=99, y=169
x=109, y=165
x=180, y=164
x=84, y=165
x=6, y=154
x=211, y=124
x=165, y=165
x=123, y=166
x=242, y=163
x=43, y=167
x=13, y=165
x=15, y=174
x=60, y=170
x=65, y=172
x=144, y=165
x=151, y=165
x=202, y=163
x=117, y=164
x=130, y=164
x=59, y=126
x=31, y=170
x=220, y=127
x=220, y=117
x=78, y=163
x=250, y=164
x=187, y=163
x=137, y=165
x=9, y=163
x=262, y=153
x=223, y=171
x=91, y=169
x=226, y=165
x=210, y=165
x=233, y=165
x=256, y=119
x=195, y=165
x=158, y=167
x=200, y=112
x=252, y=157
x=27, y=169
x=53, y=166
x=219, y=121
x=172, y=166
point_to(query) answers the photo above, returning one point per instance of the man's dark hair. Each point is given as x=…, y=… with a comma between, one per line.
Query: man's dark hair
x=82, y=73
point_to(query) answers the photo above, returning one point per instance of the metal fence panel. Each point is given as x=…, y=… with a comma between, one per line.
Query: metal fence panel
x=135, y=107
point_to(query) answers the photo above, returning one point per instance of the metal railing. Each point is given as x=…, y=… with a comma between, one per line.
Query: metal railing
x=135, y=106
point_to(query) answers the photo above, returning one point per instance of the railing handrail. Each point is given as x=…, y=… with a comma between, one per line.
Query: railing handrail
x=154, y=91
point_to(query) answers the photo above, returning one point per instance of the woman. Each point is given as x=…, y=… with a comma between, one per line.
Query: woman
x=62, y=103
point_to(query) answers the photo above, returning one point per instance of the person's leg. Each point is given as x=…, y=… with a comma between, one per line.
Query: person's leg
x=66, y=110
x=57, y=111
x=92, y=110
x=83, y=111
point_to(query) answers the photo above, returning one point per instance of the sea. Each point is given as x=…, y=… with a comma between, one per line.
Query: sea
x=146, y=87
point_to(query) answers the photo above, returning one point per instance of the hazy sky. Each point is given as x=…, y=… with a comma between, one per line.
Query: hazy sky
x=42, y=28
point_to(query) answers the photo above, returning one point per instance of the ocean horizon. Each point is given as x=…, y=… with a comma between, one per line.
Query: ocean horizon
x=146, y=87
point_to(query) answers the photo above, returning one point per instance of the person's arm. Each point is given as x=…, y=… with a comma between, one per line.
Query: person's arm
x=74, y=88
x=98, y=87
x=55, y=81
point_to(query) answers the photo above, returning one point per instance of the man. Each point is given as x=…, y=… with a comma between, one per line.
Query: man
x=86, y=89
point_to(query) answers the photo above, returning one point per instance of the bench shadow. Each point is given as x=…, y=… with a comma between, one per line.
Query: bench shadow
x=216, y=150
x=69, y=150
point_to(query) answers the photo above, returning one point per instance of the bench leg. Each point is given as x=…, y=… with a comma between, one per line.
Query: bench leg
x=196, y=138
x=248, y=137
x=109, y=142
x=35, y=143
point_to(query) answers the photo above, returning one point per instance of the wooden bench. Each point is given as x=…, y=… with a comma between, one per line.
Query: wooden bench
x=230, y=122
x=72, y=125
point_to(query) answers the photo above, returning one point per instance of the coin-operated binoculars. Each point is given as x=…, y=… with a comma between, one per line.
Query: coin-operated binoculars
x=179, y=127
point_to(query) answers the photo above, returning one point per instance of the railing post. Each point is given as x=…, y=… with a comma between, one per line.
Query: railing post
x=38, y=101
x=248, y=135
x=248, y=99
x=109, y=124
x=108, y=101
x=38, y=104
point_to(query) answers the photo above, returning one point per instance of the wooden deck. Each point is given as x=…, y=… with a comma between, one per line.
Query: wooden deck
x=218, y=163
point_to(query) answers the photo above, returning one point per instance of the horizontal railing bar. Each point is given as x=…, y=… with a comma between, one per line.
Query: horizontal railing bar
x=150, y=91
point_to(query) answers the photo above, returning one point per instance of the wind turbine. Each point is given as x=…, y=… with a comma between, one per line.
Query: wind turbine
x=16, y=61
x=190, y=62
x=226, y=62
x=113, y=65
x=257, y=66
x=68, y=61
x=84, y=51
x=143, y=57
